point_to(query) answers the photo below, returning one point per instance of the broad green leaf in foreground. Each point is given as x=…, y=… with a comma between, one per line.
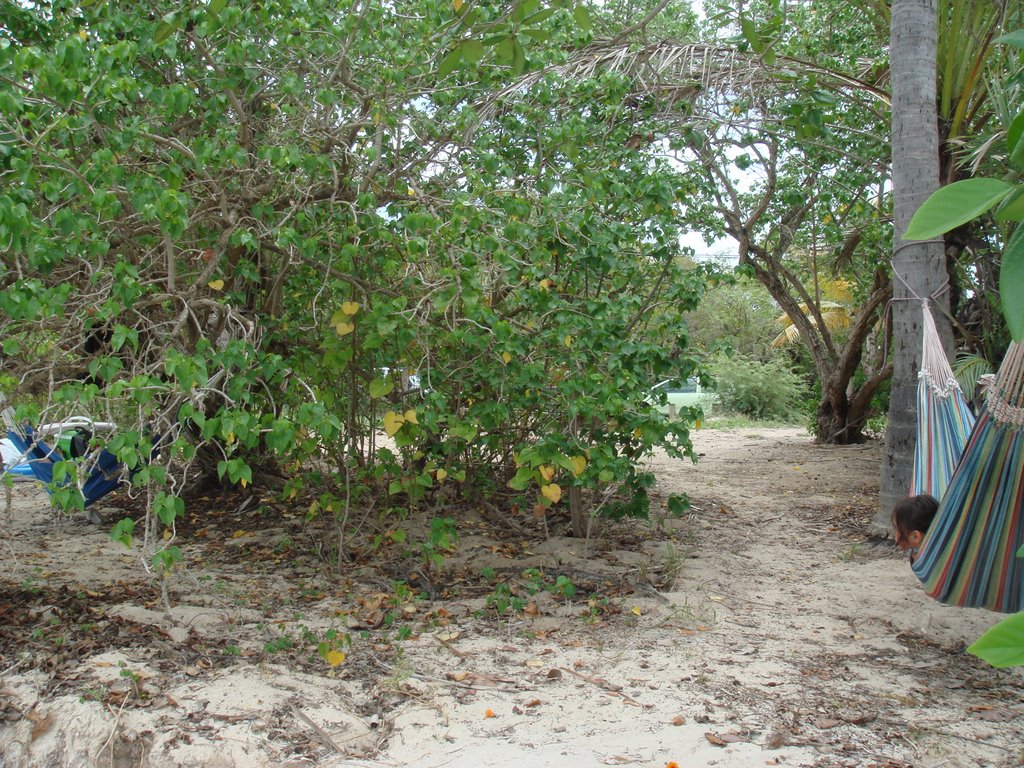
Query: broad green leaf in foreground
x=1003, y=644
x=956, y=204
x=1011, y=284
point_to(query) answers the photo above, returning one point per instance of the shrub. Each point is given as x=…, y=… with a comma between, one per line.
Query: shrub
x=759, y=390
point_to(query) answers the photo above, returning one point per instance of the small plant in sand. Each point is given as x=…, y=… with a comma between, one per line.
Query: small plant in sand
x=439, y=542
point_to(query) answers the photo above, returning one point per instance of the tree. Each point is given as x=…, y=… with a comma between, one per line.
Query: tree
x=965, y=50
x=248, y=225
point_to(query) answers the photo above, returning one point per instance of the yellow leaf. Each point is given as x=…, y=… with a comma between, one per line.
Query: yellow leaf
x=410, y=191
x=83, y=35
x=167, y=534
x=636, y=610
x=393, y=422
x=506, y=358
x=350, y=307
x=457, y=5
x=238, y=534
x=579, y=463
x=216, y=285
x=441, y=475
x=698, y=424
x=568, y=341
x=344, y=329
x=489, y=713
x=545, y=284
x=552, y=492
x=638, y=433
x=410, y=416
x=334, y=658
x=547, y=472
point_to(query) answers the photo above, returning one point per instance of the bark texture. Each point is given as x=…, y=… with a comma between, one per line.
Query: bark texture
x=918, y=267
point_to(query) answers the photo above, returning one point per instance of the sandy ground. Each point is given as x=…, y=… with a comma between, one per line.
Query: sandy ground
x=763, y=628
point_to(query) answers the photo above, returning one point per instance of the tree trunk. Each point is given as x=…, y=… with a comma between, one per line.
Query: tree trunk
x=918, y=267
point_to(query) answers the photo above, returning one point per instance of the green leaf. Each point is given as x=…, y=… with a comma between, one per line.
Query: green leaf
x=381, y=387
x=582, y=16
x=540, y=35
x=216, y=6
x=472, y=51
x=749, y=30
x=956, y=204
x=506, y=48
x=1013, y=135
x=539, y=16
x=450, y=62
x=1012, y=208
x=1011, y=284
x=164, y=30
x=518, y=57
x=1015, y=38
x=1003, y=644
x=522, y=479
x=122, y=531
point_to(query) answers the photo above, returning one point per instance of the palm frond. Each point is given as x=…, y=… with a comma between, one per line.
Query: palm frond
x=968, y=370
x=674, y=73
x=837, y=317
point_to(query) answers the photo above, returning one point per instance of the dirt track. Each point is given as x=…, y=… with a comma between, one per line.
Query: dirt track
x=762, y=629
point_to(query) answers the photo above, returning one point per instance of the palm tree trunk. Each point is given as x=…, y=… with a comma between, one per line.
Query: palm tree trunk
x=919, y=267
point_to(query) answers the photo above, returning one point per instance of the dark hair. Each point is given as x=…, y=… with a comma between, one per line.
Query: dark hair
x=914, y=513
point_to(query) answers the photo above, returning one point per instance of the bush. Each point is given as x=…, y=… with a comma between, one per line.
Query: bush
x=760, y=390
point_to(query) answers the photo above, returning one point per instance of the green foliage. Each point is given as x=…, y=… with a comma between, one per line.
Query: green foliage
x=251, y=265
x=738, y=312
x=1003, y=644
x=759, y=390
x=956, y=204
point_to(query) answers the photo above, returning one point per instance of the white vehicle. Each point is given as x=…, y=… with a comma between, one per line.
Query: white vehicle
x=682, y=395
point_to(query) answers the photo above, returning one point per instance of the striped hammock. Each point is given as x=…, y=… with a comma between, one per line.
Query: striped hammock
x=944, y=420
x=969, y=556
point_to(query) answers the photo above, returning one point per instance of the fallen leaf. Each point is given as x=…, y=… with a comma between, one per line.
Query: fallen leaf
x=534, y=663
x=334, y=658
x=533, y=703
x=554, y=674
x=489, y=713
x=216, y=285
x=458, y=676
x=41, y=723
x=678, y=720
x=826, y=722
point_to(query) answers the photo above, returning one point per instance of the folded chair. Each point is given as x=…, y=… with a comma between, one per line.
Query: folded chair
x=99, y=471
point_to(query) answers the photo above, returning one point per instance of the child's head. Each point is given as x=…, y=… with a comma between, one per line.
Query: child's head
x=911, y=518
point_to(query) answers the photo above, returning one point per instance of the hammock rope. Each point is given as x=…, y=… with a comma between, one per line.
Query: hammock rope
x=969, y=554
